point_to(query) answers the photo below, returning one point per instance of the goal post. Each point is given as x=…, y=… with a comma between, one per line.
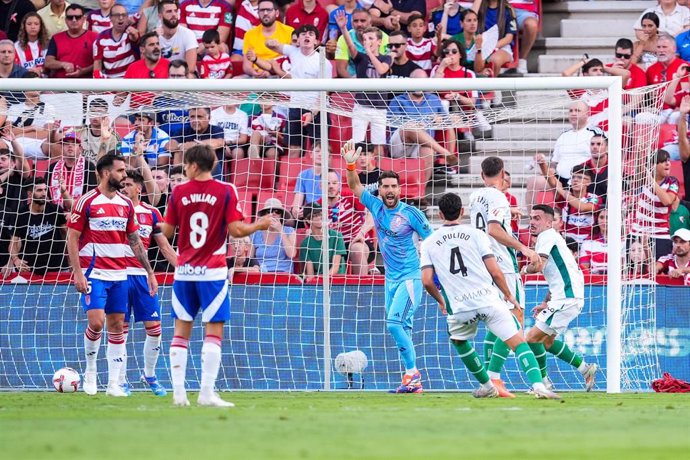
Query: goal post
x=337, y=329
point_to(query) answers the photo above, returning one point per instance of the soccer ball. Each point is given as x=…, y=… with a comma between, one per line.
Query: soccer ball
x=66, y=380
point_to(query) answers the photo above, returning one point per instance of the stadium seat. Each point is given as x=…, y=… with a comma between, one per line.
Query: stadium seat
x=254, y=173
x=545, y=197
x=411, y=179
x=41, y=168
x=246, y=199
x=289, y=169
x=667, y=135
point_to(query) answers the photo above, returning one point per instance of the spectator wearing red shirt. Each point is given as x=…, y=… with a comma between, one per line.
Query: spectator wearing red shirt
x=667, y=62
x=151, y=64
x=677, y=263
x=307, y=12
x=623, y=59
x=70, y=53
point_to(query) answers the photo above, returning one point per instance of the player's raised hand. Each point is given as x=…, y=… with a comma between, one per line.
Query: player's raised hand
x=349, y=153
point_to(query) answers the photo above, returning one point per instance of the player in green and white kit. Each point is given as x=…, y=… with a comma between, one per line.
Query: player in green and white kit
x=565, y=299
x=490, y=213
x=470, y=278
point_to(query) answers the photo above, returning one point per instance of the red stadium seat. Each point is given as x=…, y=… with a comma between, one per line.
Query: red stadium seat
x=289, y=169
x=246, y=200
x=41, y=168
x=254, y=173
x=667, y=134
x=546, y=197
x=410, y=171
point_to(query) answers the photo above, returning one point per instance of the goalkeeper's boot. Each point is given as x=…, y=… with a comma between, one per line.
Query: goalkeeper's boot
x=410, y=384
x=502, y=390
x=486, y=392
x=213, y=400
x=115, y=389
x=126, y=388
x=541, y=392
x=153, y=384
x=90, y=383
x=590, y=375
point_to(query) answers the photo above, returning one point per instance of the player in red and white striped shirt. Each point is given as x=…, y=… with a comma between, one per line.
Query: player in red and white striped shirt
x=201, y=15
x=204, y=211
x=653, y=207
x=215, y=64
x=115, y=49
x=677, y=264
x=144, y=307
x=420, y=50
x=101, y=226
x=98, y=20
x=349, y=217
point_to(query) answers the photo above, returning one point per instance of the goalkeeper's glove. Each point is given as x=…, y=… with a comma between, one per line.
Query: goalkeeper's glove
x=349, y=154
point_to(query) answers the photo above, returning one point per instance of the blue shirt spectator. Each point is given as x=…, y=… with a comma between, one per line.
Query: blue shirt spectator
x=309, y=184
x=156, y=146
x=425, y=108
x=333, y=31
x=683, y=45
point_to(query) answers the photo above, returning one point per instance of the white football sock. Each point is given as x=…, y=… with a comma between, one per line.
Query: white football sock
x=152, y=349
x=178, y=363
x=210, y=364
x=92, y=343
x=123, y=369
x=114, y=353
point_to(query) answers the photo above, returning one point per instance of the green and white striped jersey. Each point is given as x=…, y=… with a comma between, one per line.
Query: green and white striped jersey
x=561, y=271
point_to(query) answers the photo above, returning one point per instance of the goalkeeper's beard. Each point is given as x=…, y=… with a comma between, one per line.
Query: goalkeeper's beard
x=390, y=200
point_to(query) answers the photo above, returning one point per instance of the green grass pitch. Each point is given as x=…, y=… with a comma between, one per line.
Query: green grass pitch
x=353, y=425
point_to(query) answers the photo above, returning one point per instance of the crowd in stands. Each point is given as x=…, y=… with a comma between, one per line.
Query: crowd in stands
x=218, y=39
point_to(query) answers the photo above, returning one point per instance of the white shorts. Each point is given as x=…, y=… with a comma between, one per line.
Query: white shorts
x=516, y=288
x=555, y=318
x=362, y=116
x=507, y=48
x=399, y=149
x=498, y=319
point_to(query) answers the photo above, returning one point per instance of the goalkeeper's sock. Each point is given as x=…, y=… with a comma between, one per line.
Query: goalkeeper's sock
x=178, y=363
x=540, y=354
x=114, y=352
x=92, y=343
x=404, y=343
x=210, y=364
x=563, y=352
x=471, y=360
x=489, y=342
x=528, y=363
x=152, y=349
x=123, y=369
x=498, y=358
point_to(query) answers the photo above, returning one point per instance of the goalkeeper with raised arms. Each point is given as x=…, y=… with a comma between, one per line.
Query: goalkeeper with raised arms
x=395, y=224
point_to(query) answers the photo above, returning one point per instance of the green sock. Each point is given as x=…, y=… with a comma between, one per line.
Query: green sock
x=489, y=341
x=499, y=356
x=528, y=363
x=540, y=354
x=561, y=351
x=471, y=360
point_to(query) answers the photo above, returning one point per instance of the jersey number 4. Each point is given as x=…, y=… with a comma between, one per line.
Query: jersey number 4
x=457, y=265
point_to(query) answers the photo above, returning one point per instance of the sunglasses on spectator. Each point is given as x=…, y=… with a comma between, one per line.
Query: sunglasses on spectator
x=451, y=51
x=623, y=55
x=395, y=45
x=74, y=17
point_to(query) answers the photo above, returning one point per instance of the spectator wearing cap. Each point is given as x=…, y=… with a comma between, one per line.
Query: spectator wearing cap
x=677, y=263
x=311, y=251
x=72, y=175
x=305, y=64
x=274, y=248
x=151, y=64
x=147, y=140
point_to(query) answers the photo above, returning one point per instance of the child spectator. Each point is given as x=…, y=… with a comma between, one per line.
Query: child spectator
x=98, y=20
x=311, y=253
x=235, y=123
x=446, y=19
x=266, y=133
x=420, y=50
x=216, y=63
x=32, y=45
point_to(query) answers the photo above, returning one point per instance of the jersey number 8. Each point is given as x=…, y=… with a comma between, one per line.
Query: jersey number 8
x=198, y=223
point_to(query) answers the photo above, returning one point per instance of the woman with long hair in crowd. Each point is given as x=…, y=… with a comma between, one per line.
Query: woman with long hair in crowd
x=32, y=43
x=500, y=14
x=644, y=51
x=473, y=44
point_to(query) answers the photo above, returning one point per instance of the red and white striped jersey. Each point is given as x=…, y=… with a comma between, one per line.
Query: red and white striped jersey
x=247, y=17
x=651, y=217
x=579, y=225
x=148, y=218
x=104, y=224
x=215, y=68
x=199, y=18
x=202, y=211
x=96, y=22
x=31, y=57
x=115, y=55
x=422, y=53
x=347, y=217
x=595, y=253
